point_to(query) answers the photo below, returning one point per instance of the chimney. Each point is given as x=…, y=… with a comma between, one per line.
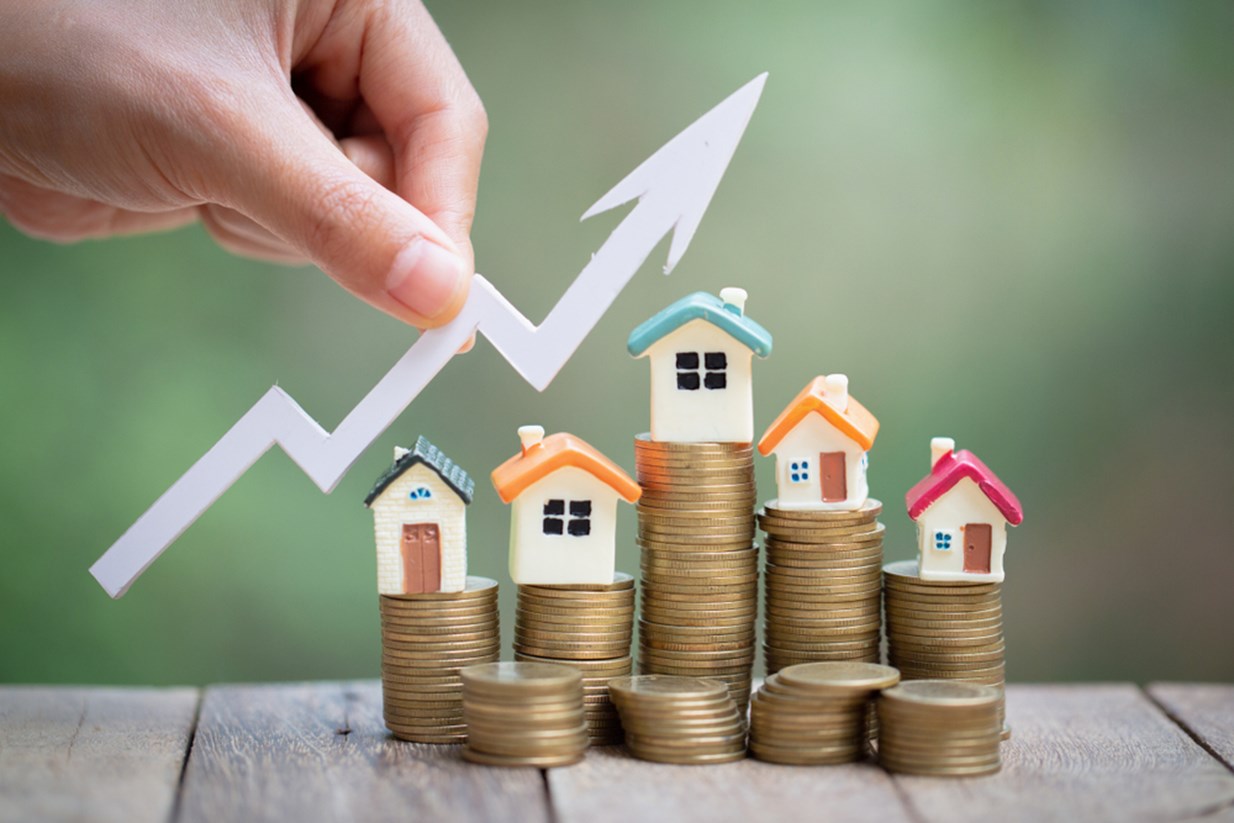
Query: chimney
x=734, y=299
x=940, y=447
x=399, y=453
x=530, y=436
x=835, y=391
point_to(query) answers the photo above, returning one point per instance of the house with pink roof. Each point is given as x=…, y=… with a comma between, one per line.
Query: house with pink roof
x=962, y=511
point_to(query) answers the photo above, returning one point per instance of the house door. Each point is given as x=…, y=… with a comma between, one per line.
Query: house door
x=834, y=477
x=421, y=558
x=977, y=548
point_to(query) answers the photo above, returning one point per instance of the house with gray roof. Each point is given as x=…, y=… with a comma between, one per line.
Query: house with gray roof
x=419, y=510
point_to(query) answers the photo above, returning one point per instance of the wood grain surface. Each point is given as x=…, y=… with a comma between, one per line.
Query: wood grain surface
x=320, y=752
x=1206, y=710
x=1083, y=753
x=91, y=753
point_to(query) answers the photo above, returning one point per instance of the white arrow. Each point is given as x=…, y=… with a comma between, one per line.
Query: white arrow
x=674, y=187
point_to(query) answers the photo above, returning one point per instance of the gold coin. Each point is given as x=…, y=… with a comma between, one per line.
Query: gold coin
x=539, y=761
x=869, y=510
x=830, y=678
x=621, y=581
x=522, y=678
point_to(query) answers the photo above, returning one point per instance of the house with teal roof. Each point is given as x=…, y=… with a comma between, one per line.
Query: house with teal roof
x=701, y=351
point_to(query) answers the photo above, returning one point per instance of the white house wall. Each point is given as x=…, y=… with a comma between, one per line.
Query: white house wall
x=537, y=558
x=703, y=416
x=963, y=503
x=393, y=508
x=808, y=439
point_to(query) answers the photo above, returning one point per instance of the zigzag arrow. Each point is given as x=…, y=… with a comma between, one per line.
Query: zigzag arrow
x=673, y=187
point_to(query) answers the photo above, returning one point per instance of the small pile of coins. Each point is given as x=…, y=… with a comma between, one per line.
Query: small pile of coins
x=425, y=640
x=586, y=626
x=682, y=720
x=823, y=585
x=816, y=714
x=699, y=562
x=524, y=714
x=940, y=727
x=949, y=630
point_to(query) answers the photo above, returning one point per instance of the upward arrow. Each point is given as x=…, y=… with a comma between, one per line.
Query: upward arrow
x=674, y=187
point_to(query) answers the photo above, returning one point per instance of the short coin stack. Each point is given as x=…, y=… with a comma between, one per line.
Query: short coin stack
x=943, y=630
x=816, y=714
x=683, y=720
x=940, y=727
x=699, y=562
x=425, y=640
x=585, y=626
x=524, y=714
x=823, y=581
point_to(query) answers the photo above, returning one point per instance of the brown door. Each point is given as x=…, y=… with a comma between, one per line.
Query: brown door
x=834, y=477
x=421, y=558
x=977, y=548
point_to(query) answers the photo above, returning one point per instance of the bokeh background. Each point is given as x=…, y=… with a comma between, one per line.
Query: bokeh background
x=1012, y=223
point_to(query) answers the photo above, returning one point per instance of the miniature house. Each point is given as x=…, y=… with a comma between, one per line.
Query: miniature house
x=563, y=525
x=962, y=511
x=701, y=349
x=419, y=516
x=820, y=442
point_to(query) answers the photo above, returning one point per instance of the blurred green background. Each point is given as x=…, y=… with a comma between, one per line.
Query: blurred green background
x=1012, y=223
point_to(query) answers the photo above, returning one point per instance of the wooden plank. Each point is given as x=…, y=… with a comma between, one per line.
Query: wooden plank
x=1206, y=710
x=97, y=754
x=612, y=786
x=320, y=752
x=1083, y=752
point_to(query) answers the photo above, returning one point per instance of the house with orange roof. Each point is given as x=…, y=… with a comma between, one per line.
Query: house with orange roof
x=563, y=519
x=820, y=441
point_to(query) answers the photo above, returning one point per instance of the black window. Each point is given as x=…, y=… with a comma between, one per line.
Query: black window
x=554, y=516
x=578, y=524
x=694, y=372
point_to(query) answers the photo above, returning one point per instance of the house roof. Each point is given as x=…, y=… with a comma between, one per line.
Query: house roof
x=558, y=451
x=429, y=455
x=701, y=306
x=950, y=469
x=855, y=422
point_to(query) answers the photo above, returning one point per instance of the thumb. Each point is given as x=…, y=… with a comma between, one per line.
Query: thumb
x=299, y=185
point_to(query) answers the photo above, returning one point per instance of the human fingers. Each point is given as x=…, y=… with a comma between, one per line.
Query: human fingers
x=393, y=55
x=65, y=218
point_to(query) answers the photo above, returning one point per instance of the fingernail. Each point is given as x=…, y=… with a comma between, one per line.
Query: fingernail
x=425, y=278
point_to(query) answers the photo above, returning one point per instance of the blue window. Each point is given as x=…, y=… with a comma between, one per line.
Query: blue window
x=799, y=471
x=942, y=541
x=420, y=493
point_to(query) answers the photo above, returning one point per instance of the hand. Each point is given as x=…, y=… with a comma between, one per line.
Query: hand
x=345, y=133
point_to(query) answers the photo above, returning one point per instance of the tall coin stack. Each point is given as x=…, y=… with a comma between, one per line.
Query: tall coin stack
x=683, y=720
x=940, y=728
x=588, y=627
x=426, y=639
x=944, y=630
x=699, y=562
x=823, y=585
x=524, y=714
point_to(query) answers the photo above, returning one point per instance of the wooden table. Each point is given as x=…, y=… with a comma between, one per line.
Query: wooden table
x=318, y=751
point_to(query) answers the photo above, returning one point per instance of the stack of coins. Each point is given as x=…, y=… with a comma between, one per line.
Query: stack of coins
x=425, y=640
x=816, y=714
x=944, y=630
x=940, y=727
x=699, y=562
x=683, y=720
x=823, y=585
x=524, y=714
x=585, y=626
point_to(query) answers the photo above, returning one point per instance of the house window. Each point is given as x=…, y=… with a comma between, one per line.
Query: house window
x=942, y=541
x=799, y=471
x=420, y=493
x=576, y=524
x=697, y=370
